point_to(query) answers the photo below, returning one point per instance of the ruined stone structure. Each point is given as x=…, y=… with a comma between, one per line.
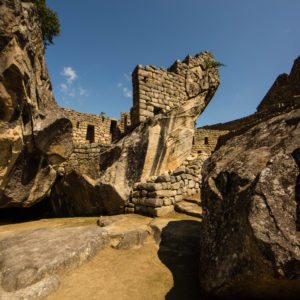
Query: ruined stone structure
x=205, y=140
x=124, y=124
x=150, y=162
x=145, y=146
x=160, y=194
x=89, y=128
x=155, y=196
x=157, y=90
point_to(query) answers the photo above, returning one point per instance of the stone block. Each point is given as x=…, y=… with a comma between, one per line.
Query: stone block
x=178, y=198
x=191, y=184
x=134, y=200
x=164, y=185
x=167, y=201
x=163, y=178
x=153, y=202
x=164, y=193
x=129, y=210
x=144, y=193
x=135, y=194
x=176, y=186
x=163, y=211
x=150, y=186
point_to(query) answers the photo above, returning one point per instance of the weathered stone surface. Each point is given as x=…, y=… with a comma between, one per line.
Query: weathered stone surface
x=76, y=194
x=154, y=211
x=29, y=256
x=37, y=291
x=189, y=208
x=250, y=199
x=34, y=136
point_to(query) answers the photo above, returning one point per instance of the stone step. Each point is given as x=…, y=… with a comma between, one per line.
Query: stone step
x=193, y=199
x=189, y=208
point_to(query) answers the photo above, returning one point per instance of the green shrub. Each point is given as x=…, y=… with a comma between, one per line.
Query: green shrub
x=49, y=21
x=214, y=64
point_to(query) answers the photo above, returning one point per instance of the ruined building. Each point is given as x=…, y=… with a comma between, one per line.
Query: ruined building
x=152, y=161
x=156, y=93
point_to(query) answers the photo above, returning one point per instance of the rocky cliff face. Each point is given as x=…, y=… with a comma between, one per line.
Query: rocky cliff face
x=250, y=197
x=34, y=137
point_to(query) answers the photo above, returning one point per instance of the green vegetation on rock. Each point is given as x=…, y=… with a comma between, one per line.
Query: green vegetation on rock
x=50, y=25
x=214, y=64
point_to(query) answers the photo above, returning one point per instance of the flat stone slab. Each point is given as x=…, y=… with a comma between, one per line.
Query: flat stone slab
x=193, y=199
x=39, y=290
x=29, y=256
x=189, y=208
x=126, y=231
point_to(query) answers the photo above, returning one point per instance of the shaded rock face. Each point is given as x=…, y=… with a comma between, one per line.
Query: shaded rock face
x=250, y=201
x=34, y=136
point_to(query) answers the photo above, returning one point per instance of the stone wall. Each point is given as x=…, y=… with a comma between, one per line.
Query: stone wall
x=124, y=123
x=158, y=90
x=241, y=125
x=158, y=195
x=89, y=128
x=205, y=140
x=85, y=159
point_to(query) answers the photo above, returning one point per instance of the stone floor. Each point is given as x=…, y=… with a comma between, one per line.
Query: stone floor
x=120, y=257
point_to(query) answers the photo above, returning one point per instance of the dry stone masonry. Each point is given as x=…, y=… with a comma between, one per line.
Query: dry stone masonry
x=159, y=194
x=205, y=140
x=157, y=90
x=89, y=128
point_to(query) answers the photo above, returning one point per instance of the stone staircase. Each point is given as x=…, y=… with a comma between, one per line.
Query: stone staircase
x=190, y=205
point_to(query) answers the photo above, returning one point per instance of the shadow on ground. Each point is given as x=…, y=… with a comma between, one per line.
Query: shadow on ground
x=179, y=251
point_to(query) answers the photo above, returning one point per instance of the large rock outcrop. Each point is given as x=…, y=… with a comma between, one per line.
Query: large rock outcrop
x=251, y=239
x=34, y=136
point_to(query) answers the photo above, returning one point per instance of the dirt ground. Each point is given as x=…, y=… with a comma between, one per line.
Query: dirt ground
x=118, y=274
x=147, y=272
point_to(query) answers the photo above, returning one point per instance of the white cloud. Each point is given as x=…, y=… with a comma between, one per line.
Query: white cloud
x=127, y=77
x=69, y=73
x=82, y=91
x=68, y=88
x=124, y=86
x=63, y=87
x=127, y=93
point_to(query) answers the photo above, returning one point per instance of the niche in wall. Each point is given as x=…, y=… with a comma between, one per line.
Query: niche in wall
x=90, y=133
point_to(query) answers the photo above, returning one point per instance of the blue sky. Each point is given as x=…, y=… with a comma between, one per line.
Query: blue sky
x=102, y=41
